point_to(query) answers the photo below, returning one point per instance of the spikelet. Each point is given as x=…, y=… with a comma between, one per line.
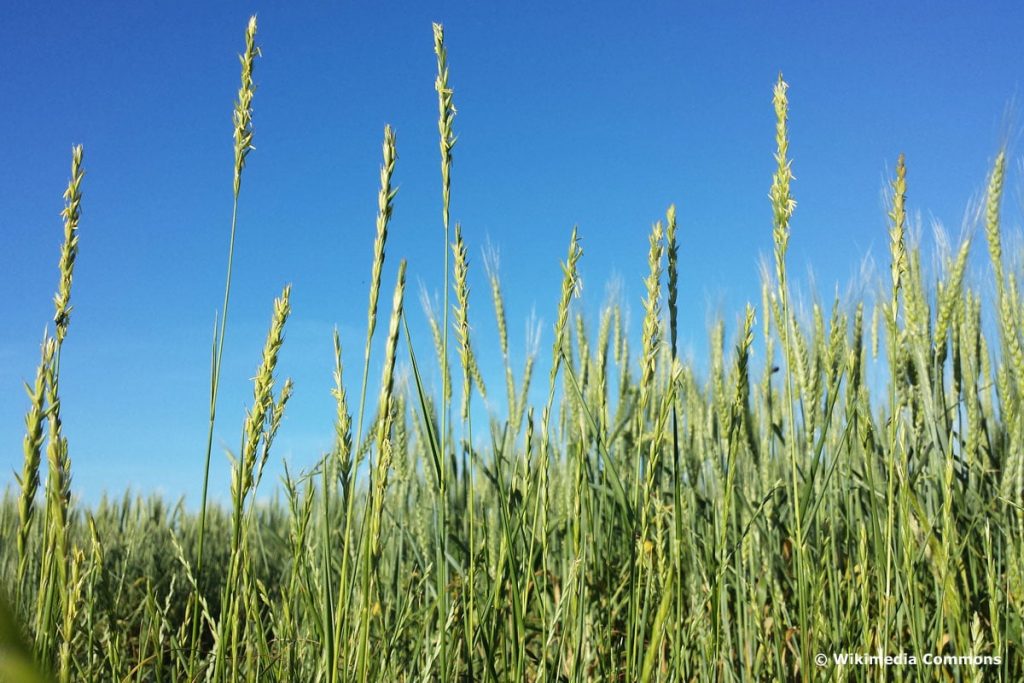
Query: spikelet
x=782, y=201
x=242, y=116
x=532, y=349
x=810, y=365
x=651, y=330
x=1007, y=322
x=672, y=247
x=769, y=345
x=461, y=323
x=741, y=394
x=343, y=419
x=446, y=114
x=436, y=335
x=583, y=348
x=69, y=250
x=874, y=331
x=716, y=342
x=835, y=353
x=263, y=398
x=1011, y=485
x=570, y=286
x=986, y=372
x=380, y=485
x=915, y=307
x=385, y=451
x=855, y=362
x=491, y=268
x=58, y=479
x=992, y=201
x=67, y=628
x=950, y=297
x=405, y=465
x=971, y=333
x=477, y=375
x=387, y=381
x=272, y=425
x=897, y=240
x=801, y=360
x=385, y=207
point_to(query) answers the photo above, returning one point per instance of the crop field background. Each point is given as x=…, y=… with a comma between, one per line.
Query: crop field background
x=834, y=473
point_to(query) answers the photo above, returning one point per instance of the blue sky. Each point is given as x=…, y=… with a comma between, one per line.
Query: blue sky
x=599, y=114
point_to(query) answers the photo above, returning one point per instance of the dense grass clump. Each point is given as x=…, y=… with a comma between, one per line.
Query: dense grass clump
x=650, y=520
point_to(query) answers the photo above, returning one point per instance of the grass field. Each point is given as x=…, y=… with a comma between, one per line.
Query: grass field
x=857, y=490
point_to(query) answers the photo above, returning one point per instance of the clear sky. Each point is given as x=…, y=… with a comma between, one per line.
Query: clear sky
x=593, y=113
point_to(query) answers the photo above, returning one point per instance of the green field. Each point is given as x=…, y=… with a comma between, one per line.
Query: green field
x=858, y=489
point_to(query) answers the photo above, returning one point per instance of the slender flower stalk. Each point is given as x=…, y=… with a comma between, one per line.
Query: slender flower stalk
x=783, y=205
x=385, y=207
x=446, y=115
x=243, y=144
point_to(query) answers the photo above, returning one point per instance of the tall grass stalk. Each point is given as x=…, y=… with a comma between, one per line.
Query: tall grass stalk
x=54, y=596
x=243, y=144
x=446, y=115
x=385, y=207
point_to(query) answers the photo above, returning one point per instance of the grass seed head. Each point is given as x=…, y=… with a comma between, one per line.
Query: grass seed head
x=69, y=250
x=782, y=200
x=672, y=247
x=446, y=115
x=897, y=240
x=387, y=381
x=263, y=393
x=652, y=308
x=993, y=199
x=385, y=207
x=570, y=286
x=461, y=311
x=242, y=116
x=343, y=419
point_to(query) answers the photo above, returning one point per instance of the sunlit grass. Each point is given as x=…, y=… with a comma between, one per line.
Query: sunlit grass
x=650, y=520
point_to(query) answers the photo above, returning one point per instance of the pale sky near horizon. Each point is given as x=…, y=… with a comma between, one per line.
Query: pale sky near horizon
x=584, y=113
